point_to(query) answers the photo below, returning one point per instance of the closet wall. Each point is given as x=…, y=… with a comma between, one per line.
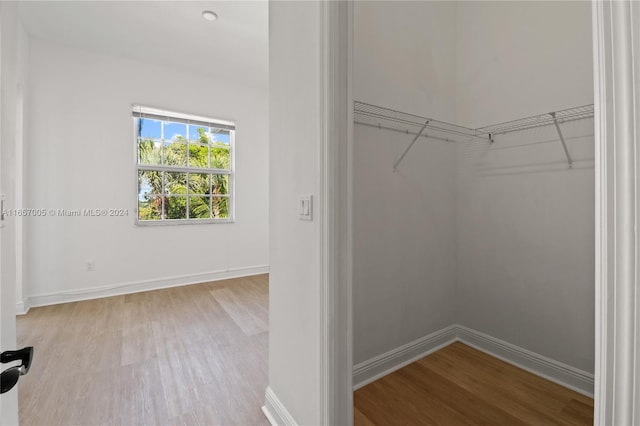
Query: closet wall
x=497, y=238
x=525, y=221
x=404, y=226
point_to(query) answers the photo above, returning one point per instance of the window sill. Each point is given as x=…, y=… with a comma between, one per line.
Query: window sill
x=169, y=222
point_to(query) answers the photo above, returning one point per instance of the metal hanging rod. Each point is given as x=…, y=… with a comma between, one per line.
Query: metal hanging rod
x=406, y=131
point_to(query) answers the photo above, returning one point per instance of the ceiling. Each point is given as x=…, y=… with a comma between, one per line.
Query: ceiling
x=171, y=33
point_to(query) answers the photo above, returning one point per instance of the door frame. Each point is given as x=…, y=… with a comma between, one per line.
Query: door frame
x=336, y=193
x=616, y=25
x=8, y=16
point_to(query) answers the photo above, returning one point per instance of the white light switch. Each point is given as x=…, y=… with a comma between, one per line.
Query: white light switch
x=306, y=207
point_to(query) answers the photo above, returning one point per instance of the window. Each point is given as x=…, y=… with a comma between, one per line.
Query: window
x=184, y=167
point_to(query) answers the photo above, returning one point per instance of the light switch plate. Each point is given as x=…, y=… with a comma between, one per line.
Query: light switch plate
x=306, y=207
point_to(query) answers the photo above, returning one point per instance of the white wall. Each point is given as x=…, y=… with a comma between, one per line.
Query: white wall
x=526, y=222
x=294, y=283
x=404, y=56
x=521, y=58
x=404, y=222
x=80, y=154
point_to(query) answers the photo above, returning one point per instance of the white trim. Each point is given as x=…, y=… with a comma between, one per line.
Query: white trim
x=268, y=415
x=393, y=360
x=166, y=115
x=540, y=365
x=336, y=364
x=23, y=307
x=616, y=28
x=18, y=196
x=136, y=287
x=390, y=361
x=275, y=411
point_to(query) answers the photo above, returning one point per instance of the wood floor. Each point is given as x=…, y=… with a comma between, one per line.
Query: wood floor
x=194, y=355
x=459, y=385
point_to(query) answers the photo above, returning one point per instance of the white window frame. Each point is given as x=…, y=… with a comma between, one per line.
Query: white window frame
x=139, y=111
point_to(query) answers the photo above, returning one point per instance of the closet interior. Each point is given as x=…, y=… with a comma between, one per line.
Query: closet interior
x=480, y=231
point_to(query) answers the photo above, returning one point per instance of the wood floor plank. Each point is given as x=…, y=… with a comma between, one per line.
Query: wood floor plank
x=137, y=345
x=245, y=306
x=534, y=389
x=578, y=413
x=171, y=356
x=448, y=394
x=514, y=397
x=459, y=385
x=178, y=382
x=142, y=401
x=360, y=419
x=93, y=400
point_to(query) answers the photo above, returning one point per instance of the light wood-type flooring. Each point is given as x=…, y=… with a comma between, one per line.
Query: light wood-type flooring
x=193, y=355
x=459, y=385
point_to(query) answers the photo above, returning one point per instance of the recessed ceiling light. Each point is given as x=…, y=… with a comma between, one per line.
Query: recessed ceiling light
x=209, y=15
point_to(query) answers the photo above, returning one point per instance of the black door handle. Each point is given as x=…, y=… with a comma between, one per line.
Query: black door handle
x=10, y=376
x=25, y=355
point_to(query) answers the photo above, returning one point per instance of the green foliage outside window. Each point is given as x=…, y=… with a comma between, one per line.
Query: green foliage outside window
x=206, y=192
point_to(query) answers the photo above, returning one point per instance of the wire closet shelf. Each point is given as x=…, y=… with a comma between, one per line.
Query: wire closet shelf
x=559, y=117
x=405, y=122
x=372, y=115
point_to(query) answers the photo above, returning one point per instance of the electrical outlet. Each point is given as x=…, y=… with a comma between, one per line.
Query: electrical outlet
x=91, y=265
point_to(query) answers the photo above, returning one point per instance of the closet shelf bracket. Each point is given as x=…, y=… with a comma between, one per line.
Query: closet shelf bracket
x=564, y=144
x=406, y=150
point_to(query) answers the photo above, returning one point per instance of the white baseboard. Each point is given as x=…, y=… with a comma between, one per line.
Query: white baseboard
x=555, y=371
x=388, y=362
x=275, y=411
x=23, y=307
x=135, y=287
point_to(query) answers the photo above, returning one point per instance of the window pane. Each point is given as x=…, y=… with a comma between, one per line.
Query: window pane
x=180, y=184
x=198, y=156
x=199, y=208
x=175, y=131
x=220, y=157
x=198, y=183
x=150, y=209
x=175, y=183
x=220, y=207
x=149, y=152
x=146, y=128
x=219, y=184
x=198, y=133
x=149, y=183
x=175, y=207
x=220, y=136
x=175, y=154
